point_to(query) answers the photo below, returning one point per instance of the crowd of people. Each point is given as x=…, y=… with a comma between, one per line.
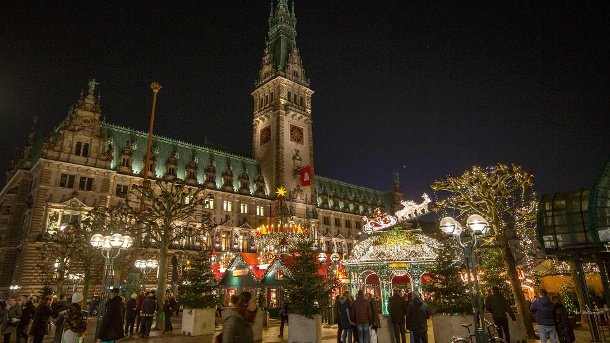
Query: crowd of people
x=31, y=319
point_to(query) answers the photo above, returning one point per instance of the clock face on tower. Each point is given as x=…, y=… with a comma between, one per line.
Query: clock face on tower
x=265, y=135
x=296, y=134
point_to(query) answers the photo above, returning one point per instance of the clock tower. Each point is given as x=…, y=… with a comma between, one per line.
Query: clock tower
x=282, y=136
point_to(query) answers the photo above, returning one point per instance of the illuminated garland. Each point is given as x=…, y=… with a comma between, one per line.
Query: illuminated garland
x=275, y=239
x=395, y=246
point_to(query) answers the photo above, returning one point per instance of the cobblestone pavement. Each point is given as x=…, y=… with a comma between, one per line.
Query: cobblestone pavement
x=270, y=335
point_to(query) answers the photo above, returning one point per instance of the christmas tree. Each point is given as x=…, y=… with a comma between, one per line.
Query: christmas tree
x=197, y=289
x=308, y=291
x=447, y=292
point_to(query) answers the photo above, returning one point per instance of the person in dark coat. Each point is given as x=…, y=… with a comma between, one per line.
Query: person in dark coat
x=237, y=320
x=418, y=314
x=345, y=317
x=150, y=306
x=27, y=313
x=283, y=316
x=169, y=306
x=565, y=333
x=375, y=308
x=131, y=313
x=397, y=307
x=141, y=298
x=497, y=305
x=545, y=317
x=41, y=318
x=362, y=315
x=111, y=328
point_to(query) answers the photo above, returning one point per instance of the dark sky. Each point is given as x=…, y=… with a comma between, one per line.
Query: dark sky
x=424, y=88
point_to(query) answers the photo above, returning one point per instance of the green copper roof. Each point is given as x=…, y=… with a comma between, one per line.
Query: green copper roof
x=282, y=34
x=374, y=197
x=163, y=148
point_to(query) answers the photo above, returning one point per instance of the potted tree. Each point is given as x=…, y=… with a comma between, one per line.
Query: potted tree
x=197, y=296
x=447, y=295
x=309, y=294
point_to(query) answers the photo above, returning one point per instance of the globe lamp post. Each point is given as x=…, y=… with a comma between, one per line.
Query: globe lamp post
x=111, y=247
x=477, y=229
x=145, y=267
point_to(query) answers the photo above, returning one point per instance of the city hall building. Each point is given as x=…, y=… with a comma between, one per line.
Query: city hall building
x=86, y=163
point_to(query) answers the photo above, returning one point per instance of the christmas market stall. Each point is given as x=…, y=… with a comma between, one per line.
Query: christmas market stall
x=242, y=273
x=389, y=257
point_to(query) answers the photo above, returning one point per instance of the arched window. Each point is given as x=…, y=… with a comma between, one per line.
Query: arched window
x=86, y=149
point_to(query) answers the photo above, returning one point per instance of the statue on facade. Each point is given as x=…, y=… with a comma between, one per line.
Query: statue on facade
x=92, y=85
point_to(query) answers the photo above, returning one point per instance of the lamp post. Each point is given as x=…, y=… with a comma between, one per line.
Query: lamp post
x=76, y=280
x=14, y=289
x=111, y=247
x=146, y=266
x=477, y=229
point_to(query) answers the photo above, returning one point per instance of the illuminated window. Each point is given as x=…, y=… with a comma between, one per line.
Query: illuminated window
x=243, y=209
x=260, y=210
x=227, y=206
x=209, y=203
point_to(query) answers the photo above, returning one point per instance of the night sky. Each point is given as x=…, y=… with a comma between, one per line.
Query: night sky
x=423, y=88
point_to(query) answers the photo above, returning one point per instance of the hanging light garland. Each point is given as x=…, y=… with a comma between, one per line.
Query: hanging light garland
x=395, y=245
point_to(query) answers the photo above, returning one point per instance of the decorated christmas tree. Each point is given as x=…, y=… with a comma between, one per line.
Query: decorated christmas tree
x=308, y=290
x=198, y=283
x=446, y=291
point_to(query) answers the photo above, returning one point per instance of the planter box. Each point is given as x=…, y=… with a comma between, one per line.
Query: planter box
x=304, y=330
x=257, y=326
x=198, y=322
x=445, y=327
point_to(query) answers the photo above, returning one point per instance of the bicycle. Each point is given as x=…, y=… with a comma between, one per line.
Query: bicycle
x=493, y=337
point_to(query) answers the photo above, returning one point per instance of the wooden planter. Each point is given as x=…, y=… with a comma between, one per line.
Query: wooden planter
x=198, y=322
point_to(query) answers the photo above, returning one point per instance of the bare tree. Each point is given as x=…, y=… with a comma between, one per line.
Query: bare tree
x=504, y=195
x=172, y=211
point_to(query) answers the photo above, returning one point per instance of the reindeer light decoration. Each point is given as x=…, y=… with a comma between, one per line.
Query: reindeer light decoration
x=412, y=210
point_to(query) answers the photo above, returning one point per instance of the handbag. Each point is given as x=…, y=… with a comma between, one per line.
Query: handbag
x=373, y=336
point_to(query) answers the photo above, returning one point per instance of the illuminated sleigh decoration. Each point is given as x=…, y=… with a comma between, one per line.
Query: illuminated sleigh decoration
x=379, y=221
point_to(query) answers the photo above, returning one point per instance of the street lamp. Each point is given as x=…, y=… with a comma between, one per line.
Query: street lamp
x=477, y=228
x=111, y=247
x=76, y=279
x=146, y=266
x=14, y=288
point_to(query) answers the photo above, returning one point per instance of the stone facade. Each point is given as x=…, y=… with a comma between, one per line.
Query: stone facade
x=86, y=163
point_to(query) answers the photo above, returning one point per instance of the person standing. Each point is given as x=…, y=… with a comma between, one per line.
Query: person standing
x=497, y=305
x=545, y=317
x=565, y=333
x=237, y=320
x=27, y=313
x=345, y=317
x=130, y=314
x=150, y=306
x=13, y=319
x=59, y=309
x=337, y=311
x=111, y=328
x=363, y=317
x=418, y=314
x=41, y=318
x=75, y=324
x=376, y=320
x=169, y=306
x=397, y=307
x=141, y=299
x=283, y=316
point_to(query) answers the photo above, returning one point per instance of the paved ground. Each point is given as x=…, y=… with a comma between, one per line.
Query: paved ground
x=270, y=335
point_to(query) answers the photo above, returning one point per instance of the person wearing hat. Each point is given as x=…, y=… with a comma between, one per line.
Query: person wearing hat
x=150, y=306
x=111, y=328
x=75, y=324
x=131, y=312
